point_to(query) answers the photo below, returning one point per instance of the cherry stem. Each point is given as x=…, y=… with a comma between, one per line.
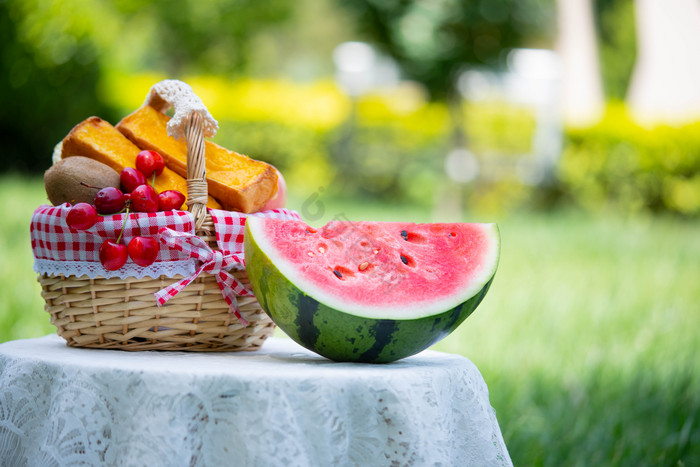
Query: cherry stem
x=123, y=224
x=153, y=180
x=138, y=224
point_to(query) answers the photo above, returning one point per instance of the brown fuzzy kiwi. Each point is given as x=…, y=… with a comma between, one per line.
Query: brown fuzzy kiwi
x=64, y=180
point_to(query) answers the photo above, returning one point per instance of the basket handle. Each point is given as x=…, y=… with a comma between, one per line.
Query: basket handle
x=197, y=188
x=192, y=121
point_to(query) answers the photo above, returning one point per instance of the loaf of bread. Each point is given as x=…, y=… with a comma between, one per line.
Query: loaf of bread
x=238, y=182
x=99, y=140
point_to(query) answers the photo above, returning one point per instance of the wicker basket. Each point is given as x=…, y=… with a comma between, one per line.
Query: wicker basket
x=122, y=313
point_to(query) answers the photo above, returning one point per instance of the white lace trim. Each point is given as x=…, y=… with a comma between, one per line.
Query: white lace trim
x=179, y=95
x=94, y=270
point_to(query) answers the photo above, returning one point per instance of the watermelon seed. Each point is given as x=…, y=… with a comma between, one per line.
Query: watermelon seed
x=322, y=248
x=311, y=253
x=413, y=237
x=363, y=266
x=404, y=260
x=343, y=273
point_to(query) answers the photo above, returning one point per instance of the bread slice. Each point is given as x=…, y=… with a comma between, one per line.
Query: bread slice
x=99, y=140
x=238, y=182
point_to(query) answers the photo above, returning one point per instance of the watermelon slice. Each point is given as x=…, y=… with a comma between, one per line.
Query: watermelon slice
x=369, y=291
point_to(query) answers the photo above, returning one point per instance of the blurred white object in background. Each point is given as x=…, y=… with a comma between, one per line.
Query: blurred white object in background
x=461, y=165
x=359, y=68
x=536, y=79
x=582, y=89
x=665, y=85
x=532, y=79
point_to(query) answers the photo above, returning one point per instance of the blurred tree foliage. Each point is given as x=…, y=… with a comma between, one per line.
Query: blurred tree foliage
x=45, y=88
x=57, y=54
x=188, y=36
x=54, y=55
x=433, y=41
x=66, y=60
x=617, y=42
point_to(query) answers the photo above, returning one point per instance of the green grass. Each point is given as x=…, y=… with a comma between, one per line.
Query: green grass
x=588, y=339
x=22, y=312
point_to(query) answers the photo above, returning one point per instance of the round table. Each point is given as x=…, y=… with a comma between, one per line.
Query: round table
x=279, y=406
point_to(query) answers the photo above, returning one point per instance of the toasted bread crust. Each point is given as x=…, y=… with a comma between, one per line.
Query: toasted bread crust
x=238, y=182
x=99, y=140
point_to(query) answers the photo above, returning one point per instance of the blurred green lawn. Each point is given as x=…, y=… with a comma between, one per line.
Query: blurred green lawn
x=588, y=338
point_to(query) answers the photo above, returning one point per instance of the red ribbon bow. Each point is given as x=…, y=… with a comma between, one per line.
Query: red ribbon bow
x=212, y=262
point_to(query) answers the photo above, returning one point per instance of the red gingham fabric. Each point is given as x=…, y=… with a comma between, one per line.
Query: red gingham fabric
x=55, y=244
x=214, y=262
x=229, y=228
x=52, y=239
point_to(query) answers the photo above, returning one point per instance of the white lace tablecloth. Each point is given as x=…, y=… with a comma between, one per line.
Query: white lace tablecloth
x=280, y=406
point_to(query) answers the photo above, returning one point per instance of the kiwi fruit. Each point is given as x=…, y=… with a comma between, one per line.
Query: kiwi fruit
x=65, y=181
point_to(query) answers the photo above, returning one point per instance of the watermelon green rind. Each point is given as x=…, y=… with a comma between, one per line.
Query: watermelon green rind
x=322, y=325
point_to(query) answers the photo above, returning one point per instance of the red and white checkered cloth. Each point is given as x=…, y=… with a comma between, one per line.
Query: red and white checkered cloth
x=53, y=240
x=210, y=261
x=229, y=228
x=231, y=225
x=58, y=249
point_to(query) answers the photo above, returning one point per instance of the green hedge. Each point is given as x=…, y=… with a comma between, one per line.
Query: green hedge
x=616, y=165
x=391, y=146
x=620, y=165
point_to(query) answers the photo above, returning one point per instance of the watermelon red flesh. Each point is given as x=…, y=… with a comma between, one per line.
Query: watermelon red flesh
x=377, y=269
x=386, y=323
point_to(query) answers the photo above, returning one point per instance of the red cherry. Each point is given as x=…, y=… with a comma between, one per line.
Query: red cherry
x=82, y=216
x=113, y=255
x=109, y=200
x=148, y=162
x=143, y=250
x=169, y=200
x=144, y=199
x=130, y=178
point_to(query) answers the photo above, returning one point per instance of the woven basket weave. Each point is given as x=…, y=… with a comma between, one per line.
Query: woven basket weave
x=122, y=313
